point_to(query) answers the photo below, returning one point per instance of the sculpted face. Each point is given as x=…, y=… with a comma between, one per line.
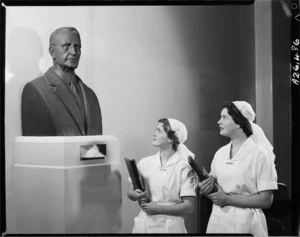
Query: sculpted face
x=65, y=49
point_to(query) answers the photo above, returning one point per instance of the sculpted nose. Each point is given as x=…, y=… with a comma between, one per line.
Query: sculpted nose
x=71, y=49
x=74, y=50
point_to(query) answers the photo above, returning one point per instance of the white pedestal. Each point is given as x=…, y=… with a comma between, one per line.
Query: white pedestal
x=54, y=191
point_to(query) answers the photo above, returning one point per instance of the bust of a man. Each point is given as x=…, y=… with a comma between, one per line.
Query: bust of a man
x=59, y=103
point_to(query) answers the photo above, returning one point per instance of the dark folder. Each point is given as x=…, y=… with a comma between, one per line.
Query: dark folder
x=134, y=174
x=201, y=172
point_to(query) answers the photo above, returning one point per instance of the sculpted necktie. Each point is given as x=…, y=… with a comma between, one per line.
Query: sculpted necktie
x=77, y=99
x=74, y=90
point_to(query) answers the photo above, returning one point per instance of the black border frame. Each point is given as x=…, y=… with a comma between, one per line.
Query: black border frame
x=295, y=93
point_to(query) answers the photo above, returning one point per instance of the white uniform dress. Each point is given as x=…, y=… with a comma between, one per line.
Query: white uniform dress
x=247, y=173
x=165, y=186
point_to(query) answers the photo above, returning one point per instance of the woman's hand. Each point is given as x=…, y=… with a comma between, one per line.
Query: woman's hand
x=140, y=196
x=206, y=186
x=150, y=208
x=137, y=195
x=219, y=198
x=180, y=208
x=260, y=200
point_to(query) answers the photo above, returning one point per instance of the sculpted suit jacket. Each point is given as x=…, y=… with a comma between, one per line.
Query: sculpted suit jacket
x=48, y=108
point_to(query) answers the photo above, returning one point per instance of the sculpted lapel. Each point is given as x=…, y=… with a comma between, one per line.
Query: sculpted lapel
x=65, y=96
x=86, y=106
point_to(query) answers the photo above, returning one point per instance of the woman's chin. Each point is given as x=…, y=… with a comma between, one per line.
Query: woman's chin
x=224, y=134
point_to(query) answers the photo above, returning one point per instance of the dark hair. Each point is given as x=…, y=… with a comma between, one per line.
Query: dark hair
x=170, y=133
x=238, y=118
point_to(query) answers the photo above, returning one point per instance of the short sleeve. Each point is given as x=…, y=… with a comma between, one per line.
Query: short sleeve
x=188, y=184
x=267, y=175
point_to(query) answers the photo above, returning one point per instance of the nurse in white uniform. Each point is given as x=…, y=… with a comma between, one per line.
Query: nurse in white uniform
x=245, y=172
x=170, y=182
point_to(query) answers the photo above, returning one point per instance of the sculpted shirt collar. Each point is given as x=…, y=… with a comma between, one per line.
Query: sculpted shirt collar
x=66, y=78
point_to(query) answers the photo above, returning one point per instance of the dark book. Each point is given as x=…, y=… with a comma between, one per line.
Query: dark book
x=134, y=174
x=201, y=172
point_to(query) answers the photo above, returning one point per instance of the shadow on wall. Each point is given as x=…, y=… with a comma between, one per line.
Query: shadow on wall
x=23, y=52
x=99, y=201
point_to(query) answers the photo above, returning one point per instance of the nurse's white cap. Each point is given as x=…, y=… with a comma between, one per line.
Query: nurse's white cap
x=181, y=132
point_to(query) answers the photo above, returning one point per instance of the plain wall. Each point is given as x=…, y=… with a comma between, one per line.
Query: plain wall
x=144, y=63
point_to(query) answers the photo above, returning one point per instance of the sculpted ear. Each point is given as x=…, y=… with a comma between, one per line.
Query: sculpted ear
x=51, y=51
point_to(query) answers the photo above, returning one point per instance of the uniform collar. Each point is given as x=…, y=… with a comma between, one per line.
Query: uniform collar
x=243, y=151
x=173, y=159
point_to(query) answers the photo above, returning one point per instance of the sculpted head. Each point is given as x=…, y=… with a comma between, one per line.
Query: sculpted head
x=65, y=48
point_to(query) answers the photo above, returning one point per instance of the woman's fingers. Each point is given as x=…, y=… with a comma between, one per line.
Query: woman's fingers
x=206, y=186
x=142, y=196
x=206, y=182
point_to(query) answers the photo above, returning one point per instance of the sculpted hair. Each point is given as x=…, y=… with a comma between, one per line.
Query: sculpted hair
x=57, y=31
x=238, y=118
x=170, y=133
